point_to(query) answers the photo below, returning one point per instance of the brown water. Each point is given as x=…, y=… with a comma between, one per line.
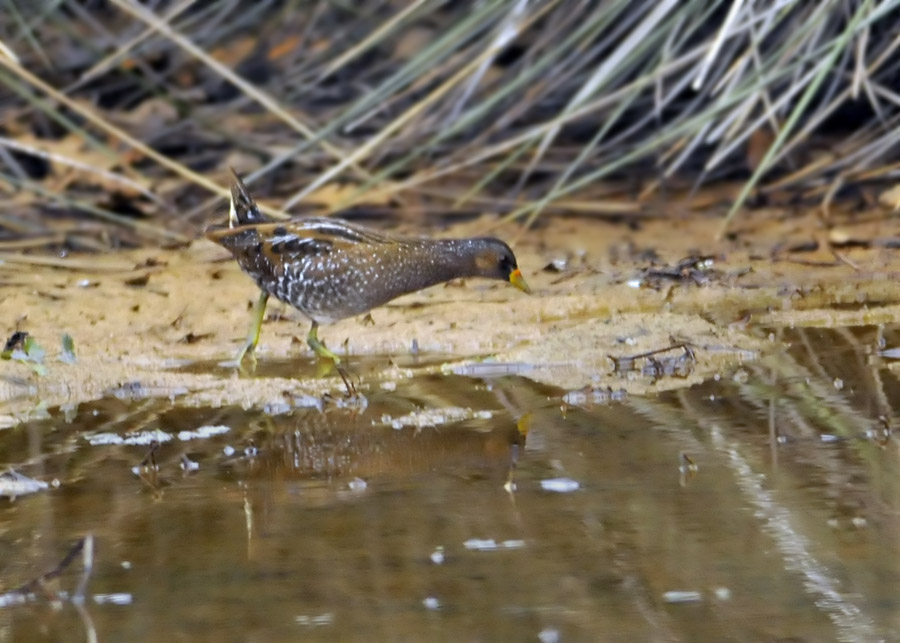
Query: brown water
x=466, y=509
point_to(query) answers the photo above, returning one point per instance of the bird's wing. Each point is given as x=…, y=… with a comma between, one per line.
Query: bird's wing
x=337, y=231
x=298, y=238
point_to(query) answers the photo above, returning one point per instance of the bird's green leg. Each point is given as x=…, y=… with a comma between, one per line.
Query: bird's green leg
x=259, y=312
x=322, y=351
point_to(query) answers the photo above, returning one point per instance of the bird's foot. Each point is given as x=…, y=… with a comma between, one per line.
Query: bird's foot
x=325, y=353
x=329, y=364
x=248, y=350
x=248, y=353
x=345, y=376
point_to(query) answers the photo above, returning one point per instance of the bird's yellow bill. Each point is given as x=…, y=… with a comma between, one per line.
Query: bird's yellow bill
x=517, y=280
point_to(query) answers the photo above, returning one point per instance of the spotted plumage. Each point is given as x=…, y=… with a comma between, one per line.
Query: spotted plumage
x=331, y=269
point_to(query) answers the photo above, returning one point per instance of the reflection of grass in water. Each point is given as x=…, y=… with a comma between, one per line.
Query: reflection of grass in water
x=122, y=432
x=281, y=526
x=823, y=401
x=303, y=366
x=802, y=432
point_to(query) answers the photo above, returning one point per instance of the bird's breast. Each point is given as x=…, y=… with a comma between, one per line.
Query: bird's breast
x=351, y=279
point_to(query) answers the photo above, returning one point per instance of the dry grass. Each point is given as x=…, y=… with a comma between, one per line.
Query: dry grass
x=129, y=112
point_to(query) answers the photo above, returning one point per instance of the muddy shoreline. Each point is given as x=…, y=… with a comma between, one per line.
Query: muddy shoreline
x=141, y=318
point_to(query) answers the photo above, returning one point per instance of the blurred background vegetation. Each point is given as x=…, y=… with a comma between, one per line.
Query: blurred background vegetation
x=119, y=119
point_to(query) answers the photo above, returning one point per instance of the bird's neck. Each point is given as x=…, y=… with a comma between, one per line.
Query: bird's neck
x=434, y=262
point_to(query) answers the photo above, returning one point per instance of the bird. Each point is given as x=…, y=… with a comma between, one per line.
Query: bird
x=330, y=269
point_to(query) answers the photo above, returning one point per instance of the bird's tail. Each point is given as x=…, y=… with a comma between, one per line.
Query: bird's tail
x=243, y=208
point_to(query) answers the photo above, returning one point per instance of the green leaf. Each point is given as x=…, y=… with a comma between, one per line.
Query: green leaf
x=34, y=351
x=68, y=349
